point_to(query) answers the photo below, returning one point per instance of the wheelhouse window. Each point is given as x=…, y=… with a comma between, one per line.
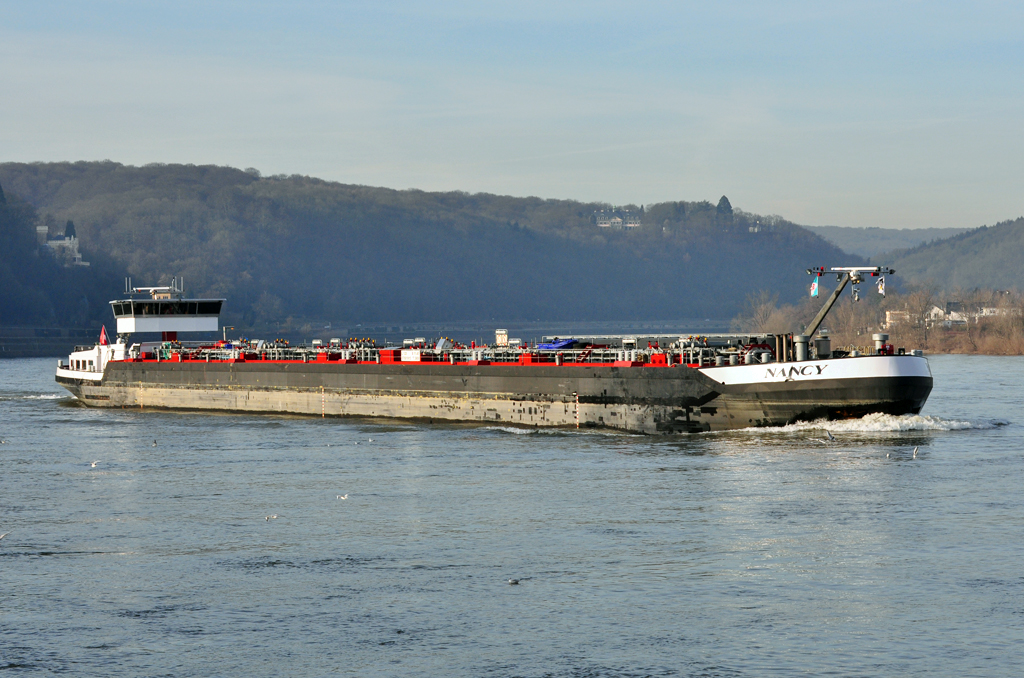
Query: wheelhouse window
x=143, y=309
x=210, y=307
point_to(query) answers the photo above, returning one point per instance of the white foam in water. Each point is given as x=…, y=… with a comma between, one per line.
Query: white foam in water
x=880, y=423
x=872, y=423
x=47, y=396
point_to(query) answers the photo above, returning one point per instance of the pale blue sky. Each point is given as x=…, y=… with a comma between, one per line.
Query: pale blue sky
x=892, y=114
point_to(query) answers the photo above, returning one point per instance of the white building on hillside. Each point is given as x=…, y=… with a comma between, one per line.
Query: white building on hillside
x=66, y=249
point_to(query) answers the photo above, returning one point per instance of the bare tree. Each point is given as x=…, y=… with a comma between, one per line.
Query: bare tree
x=917, y=305
x=758, y=312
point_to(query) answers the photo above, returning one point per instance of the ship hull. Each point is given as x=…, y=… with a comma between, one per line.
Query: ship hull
x=635, y=399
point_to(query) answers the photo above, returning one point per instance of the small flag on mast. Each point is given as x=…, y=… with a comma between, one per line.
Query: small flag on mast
x=814, y=287
x=103, y=336
x=881, y=285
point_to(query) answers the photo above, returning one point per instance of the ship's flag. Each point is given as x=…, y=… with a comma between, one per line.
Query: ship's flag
x=814, y=287
x=103, y=336
x=881, y=285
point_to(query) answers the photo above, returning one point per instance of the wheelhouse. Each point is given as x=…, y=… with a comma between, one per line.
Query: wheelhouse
x=165, y=311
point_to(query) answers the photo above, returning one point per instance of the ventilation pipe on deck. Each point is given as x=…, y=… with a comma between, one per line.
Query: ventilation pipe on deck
x=879, y=340
x=822, y=347
x=800, y=343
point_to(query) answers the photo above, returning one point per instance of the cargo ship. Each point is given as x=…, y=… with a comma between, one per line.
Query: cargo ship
x=641, y=384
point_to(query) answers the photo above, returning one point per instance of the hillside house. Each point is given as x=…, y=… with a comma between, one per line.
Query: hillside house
x=65, y=249
x=626, y=221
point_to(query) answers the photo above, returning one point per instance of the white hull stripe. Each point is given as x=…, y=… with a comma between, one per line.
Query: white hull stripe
x=865, y=367
x=79, y=374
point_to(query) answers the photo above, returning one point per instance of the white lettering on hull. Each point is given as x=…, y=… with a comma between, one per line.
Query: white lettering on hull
x=794, y=371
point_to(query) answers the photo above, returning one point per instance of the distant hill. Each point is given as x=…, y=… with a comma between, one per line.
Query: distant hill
x=867, y=242
x=988, y=257
x=289, y=249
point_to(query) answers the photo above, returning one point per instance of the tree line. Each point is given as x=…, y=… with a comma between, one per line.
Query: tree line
x=287, y=250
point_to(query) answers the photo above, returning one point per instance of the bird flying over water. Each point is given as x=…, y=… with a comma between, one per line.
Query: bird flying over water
x=93, y=465
x=831, y=437
x=154, y=443
x=4, y=535
x=343, y=496
x=915, y=453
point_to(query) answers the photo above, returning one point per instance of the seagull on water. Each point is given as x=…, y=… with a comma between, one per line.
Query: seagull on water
x=370, y=440
x=93, y=465
x=273, y=517
x=342, y=496
x=154, y=443
x=513, y=582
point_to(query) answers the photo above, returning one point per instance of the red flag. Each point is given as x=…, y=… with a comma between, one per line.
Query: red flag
x=103, y=336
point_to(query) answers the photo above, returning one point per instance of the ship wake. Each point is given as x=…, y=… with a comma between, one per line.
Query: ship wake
x=36, y=396
x=888, y=423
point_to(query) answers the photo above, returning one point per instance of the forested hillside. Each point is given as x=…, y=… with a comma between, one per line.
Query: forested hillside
x=302, y=248
x=35, y=289
x=986, y=257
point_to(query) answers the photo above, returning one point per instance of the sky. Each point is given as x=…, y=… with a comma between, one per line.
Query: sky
x=891, y=114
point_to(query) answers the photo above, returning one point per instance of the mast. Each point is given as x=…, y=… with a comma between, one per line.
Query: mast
x=844, y=274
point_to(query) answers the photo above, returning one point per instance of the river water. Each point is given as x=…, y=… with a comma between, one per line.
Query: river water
x=139, y=543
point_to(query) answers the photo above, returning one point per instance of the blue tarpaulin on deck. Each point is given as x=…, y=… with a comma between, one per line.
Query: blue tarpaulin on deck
x=556, y=345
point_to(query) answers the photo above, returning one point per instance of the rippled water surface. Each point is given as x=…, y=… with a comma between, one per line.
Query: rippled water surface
x=139, y=543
